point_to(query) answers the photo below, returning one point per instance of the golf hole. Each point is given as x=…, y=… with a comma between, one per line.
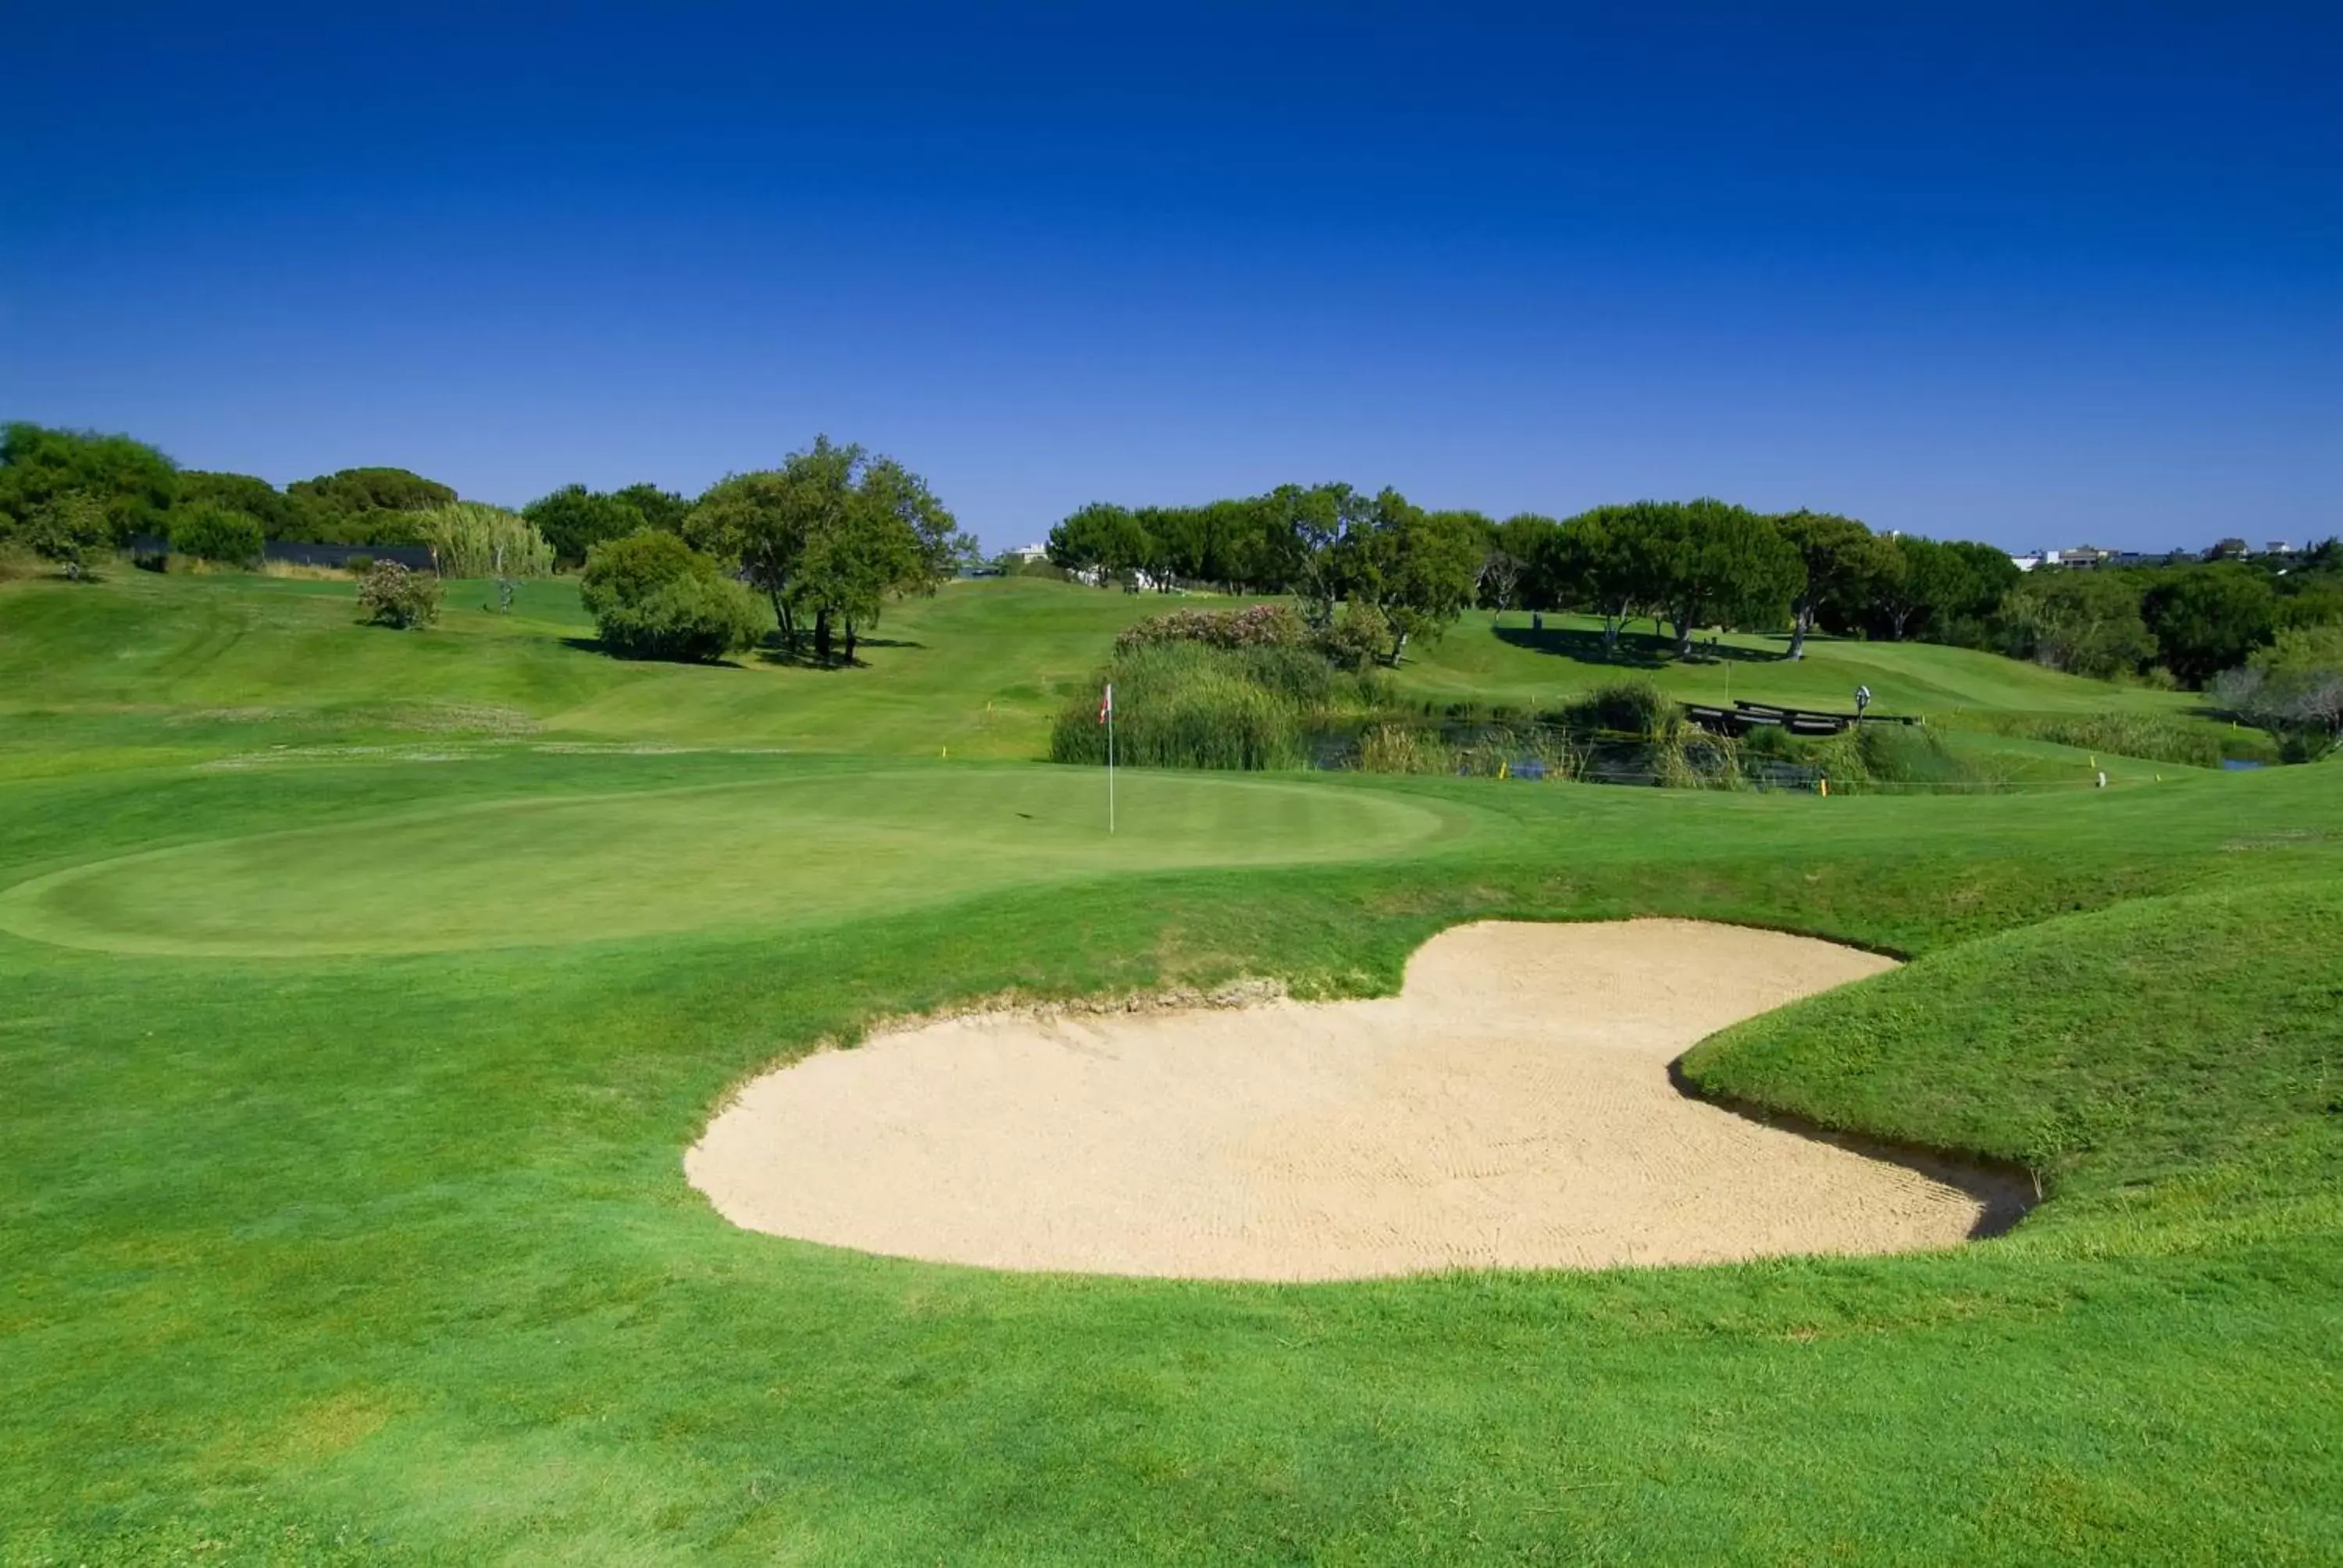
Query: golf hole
x=1510, y=1109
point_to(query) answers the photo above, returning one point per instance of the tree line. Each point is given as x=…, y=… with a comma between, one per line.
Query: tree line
x=823, y=541
x=1690, y=565
x=828, y=536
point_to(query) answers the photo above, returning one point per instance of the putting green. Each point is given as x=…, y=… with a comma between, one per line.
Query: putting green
x=808, y=846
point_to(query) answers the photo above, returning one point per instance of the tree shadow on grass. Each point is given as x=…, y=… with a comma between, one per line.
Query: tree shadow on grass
x=774, y=653
x=1633, y=650
x=594, y=645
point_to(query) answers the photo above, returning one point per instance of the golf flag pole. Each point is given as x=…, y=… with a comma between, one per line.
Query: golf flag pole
x=1106, y=716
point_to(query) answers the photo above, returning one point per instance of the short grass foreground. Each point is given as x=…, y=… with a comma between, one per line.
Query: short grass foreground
x=350, y=1063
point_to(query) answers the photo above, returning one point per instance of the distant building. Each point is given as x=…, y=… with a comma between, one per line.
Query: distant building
x=2026, y=562
x=2228, y=550
x=1027, y=553
x=2081, y=558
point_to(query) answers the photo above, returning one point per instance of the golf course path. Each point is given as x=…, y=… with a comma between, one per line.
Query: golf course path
x=1510, y=1109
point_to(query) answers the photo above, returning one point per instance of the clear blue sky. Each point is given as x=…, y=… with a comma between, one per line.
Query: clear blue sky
x=2035, y=274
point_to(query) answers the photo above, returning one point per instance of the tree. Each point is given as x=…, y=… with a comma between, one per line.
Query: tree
x=852, y=562
x=1927, y=585
x=365, y=505
x=574, y=519
x=891, y=538
x=1104, y=540
x=939, y=548
x=2083, y=622
x=67, y=528
x=1315, y=526
x=131, y=483
x=1417, y=569
x=351, y=490
x=212, y=532
x=279, y=516
x=761, y=521
x=1602, y=560
x=1716, y=562
x=1275, y=551
x=1981, y=577
x=1520, y=549
x=2294, y=689
x=2208, y=620
x=662, y=509
x=1842, y=560
x=652, y=596
x=830, y=535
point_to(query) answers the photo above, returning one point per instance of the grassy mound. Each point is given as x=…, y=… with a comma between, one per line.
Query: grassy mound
x=2137, y=1059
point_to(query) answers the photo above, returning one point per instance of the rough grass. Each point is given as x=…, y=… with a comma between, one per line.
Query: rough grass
x=389, y=1257
x=2158, y=737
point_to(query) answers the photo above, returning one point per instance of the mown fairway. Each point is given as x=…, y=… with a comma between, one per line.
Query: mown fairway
x=359, y=992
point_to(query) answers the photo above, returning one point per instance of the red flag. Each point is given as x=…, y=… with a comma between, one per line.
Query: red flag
x=1106, y=703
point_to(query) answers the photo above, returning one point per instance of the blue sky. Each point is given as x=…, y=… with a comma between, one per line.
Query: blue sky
x=2034, y=274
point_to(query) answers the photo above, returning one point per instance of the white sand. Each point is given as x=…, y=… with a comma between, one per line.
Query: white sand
x=1512, y=1108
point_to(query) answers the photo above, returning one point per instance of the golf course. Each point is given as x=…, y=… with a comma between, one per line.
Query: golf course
x=363, y=993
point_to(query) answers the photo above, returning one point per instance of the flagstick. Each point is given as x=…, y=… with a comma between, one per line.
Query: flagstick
x=1109, y=762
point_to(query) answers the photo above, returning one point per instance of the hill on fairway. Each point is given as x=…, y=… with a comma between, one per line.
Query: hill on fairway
x=234, y=664
x=360, y=992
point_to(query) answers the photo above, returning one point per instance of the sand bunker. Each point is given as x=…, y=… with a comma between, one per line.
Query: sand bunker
x=1512, y=1108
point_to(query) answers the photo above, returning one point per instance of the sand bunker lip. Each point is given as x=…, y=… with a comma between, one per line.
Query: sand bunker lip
x=1510, y=1109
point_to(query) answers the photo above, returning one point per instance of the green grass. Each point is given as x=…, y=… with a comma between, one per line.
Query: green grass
x=386, y=1255
x=234, y=664
x=1486, y=658
x=776, y=853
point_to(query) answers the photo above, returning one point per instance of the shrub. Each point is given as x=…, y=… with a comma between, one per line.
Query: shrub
x=1623, y=708
x=654, y=597
x=392, y=596
x=67, y=529
x=358, y=566
x=1356, y=638
x=1256, y=626
x=211, y=532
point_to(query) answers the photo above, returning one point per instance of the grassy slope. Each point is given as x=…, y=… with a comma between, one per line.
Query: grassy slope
x=1961, y=692
x=240, y=663
x=1486, y=658
x=243, y=663
x=391, y=1259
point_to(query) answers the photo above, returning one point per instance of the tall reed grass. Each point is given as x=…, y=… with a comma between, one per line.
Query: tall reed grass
x=2155, y=737
x=1187, y=705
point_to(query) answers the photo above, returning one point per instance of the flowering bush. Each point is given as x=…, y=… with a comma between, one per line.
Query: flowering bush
x=392, y=596
x=1256, y=626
